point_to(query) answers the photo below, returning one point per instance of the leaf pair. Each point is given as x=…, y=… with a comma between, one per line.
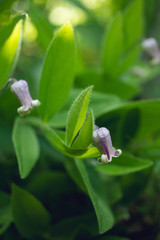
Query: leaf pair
x=78, y=131
x=98, y=103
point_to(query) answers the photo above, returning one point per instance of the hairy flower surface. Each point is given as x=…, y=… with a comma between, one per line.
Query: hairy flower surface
x=102, y=140
x=21, y=90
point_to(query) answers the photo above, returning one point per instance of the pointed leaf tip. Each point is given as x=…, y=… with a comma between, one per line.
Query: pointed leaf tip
x=77, y=115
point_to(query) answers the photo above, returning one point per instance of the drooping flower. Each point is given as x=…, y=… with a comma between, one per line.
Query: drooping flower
x=150, y=46
x=21, y=90
x=102, y=140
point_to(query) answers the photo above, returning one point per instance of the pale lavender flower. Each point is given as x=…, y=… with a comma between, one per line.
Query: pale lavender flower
x=150, y=46
x=102, y=140
x=21, y=90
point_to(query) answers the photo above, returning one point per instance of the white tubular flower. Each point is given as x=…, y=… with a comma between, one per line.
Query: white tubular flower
x=150, y=46
x=21, y=90
x=102, y=140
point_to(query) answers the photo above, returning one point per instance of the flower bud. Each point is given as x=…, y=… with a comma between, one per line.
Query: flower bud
x=150, y=46
x=21, y=90
x=102, y=140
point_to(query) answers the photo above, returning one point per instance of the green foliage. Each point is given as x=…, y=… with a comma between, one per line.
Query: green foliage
x=26, y=147
x=131, y=121
x=125, y=164
x=98, y=103
x=55, y=84
x=77, y=115
x=29, y=215
x=85, y=134
x=5, y=212
x=113, y=45
x=53, y=137
x=105, y=84
x=76, y=227
x=45, y=31
x=97, y=195
x=121, y=42
x=9, y=48
x=134, y=13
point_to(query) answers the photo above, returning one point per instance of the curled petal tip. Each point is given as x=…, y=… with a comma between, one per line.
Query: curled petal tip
x=118, y=152
x=99, y=161
x=36, y=103
x=23, y=111
x=105, y=159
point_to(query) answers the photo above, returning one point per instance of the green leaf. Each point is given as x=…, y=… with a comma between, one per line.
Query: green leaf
x=96, y=191
x=45, y=31
x=124, y=164
x=98, y=103
x=123, y=90
x=133, y=185
x=134, y=13
x=54, y=189
x=44, y=182
x=58, y=143
x=5, y=212
x=7, y=30
x=77, y=115
x=90, y=153
x=9, y=49
x=107, y=85
x=6, y=139
x=113, y=45
x=26, y=147
x=151, y=151
x=55, y=140
x=30, y=217
x=58, y=72
x=74, y=173
x=132, y=121
x=113, y=191
x=79, y=225
x=133, y=33
x=85, y=134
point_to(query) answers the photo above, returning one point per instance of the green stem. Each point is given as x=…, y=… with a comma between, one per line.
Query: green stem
x=11, y=80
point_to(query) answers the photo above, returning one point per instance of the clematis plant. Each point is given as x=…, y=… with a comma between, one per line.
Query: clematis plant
x=102, y=140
